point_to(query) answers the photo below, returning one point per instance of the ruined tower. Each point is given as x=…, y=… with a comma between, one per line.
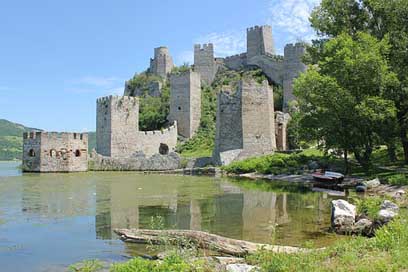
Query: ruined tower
x=185, y=102
x=204, y=62
x=55, y=152
x=260, y=41
x=292, y=66
x=245, y=122
x=117, y=130
x=162, y=63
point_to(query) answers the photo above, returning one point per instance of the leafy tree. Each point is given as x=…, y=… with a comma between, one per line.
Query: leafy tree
x=382, y=19
x=341, y=98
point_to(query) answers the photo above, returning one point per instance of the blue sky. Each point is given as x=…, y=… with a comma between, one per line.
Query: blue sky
x=57, y=57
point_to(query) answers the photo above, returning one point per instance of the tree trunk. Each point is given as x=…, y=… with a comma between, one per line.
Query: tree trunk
x=346, y=163
x=202, y=240
x=404, y=141
x=391, y=150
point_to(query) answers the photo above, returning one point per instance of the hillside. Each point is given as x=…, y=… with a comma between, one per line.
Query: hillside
x=11, y=139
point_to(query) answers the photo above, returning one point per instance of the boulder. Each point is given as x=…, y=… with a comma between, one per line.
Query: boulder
x=388, y=211
x=372, y=183
x=363, y=226
x=388, y=205
x=343, y=216
x=241, y=268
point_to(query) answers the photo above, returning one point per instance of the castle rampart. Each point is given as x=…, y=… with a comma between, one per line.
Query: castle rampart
x=55, y=152
x=118, y=134
x=162, y=63
x=185, y=102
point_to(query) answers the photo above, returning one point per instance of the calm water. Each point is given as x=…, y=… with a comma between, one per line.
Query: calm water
x=48, y=221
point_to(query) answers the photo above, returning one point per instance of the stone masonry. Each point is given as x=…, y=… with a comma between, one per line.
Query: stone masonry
x=55, y=152
x=281, y=126
x=185, y=102
x=293, y=66
x=162, y=63
x=117, y=130
x=204, y=62
x=245, y=124
x=260, y=41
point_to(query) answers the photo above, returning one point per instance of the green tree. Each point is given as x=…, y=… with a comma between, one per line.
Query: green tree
x=384, y=20
x=341, y=99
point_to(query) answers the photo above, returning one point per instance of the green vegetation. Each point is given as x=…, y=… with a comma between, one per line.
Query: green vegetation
x=398, y=179
x=387, y=251
x=279, y=163
x=369, y=206
x=11, y=140
x=86, y=266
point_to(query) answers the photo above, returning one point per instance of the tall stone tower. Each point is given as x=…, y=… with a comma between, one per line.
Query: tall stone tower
x=204, y=62
x=259, y=41
x=185, y=102
x=162, y=63
x=245, y=122
x=292, y=66
x=117, y=123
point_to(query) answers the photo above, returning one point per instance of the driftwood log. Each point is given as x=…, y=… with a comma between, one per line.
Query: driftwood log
x=202, y=240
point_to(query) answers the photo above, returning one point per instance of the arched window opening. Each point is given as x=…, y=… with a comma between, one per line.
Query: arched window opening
x=31, y=153
x=64, y=154
x=77, y=153
x=53, y=153
x=164, y=149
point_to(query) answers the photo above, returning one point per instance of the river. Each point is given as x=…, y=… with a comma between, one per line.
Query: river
x=49, y=221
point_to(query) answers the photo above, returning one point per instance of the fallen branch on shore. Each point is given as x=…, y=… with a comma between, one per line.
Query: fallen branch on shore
x=202, y=240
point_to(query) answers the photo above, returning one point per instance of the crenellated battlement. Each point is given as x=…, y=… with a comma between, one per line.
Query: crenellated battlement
x=258, y=28
x=39, y=135
x=275, y=57
x=204, y=47
x=242, y=55
x=168, y=130
x=116, y=98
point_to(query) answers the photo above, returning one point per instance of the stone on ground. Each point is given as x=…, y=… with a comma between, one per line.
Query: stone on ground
x=343, y=216
x=241, y=268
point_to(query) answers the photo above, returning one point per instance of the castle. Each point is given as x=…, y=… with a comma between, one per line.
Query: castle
x=55, y=152
x=246, y=121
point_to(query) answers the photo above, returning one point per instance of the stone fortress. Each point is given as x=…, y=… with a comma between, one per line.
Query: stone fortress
x=246, y=122
x=55, y=152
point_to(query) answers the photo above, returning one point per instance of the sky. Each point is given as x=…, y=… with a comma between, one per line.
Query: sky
x=57, y=57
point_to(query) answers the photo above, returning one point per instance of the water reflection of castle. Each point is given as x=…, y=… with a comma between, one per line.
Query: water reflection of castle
x=233, y=212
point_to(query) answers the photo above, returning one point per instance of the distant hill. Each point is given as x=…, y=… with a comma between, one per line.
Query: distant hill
x=11, y=140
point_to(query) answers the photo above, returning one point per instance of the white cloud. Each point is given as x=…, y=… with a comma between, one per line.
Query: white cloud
x=226, y=43
x=96, y=84
x=292, y=17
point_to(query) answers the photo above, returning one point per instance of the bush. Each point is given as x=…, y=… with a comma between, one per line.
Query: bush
x=398, y=179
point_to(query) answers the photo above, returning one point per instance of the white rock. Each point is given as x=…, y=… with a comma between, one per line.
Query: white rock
x=372, y=183
x=388, y=205
x=241, y=268
x=386, y=216
x=343, y=215
x=363, y=226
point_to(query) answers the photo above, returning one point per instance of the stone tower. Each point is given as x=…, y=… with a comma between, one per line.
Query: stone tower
x=162, y=63
x=204, y=62
x=55, y=152
x=259, y=41
x=185, y=102
x=292, y=66
x=245, y=124
x=117, y=130
x=117, y=121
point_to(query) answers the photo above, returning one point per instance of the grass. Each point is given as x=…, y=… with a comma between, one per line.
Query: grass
x=388, y=251
x=279, y=163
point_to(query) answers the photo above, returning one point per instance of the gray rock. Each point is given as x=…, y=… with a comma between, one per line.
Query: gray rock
x=388, y=205
x=343, y=216
x=372, y=183
x=241, y=268
x=363, y=226
x=385, y=216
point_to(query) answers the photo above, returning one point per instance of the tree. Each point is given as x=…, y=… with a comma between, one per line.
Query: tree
x=341, y=98
x=384, y=20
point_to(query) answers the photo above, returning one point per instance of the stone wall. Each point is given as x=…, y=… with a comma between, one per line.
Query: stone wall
x=204, y=62
x=162, y=63
x=271, y=65
x=117, y=133
x=140, y=162
x=185, y=102
x=55, y=152
x=236, y=62
x=245, y=124
x=259, y=41
x=293, y=66
x=281, y=127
